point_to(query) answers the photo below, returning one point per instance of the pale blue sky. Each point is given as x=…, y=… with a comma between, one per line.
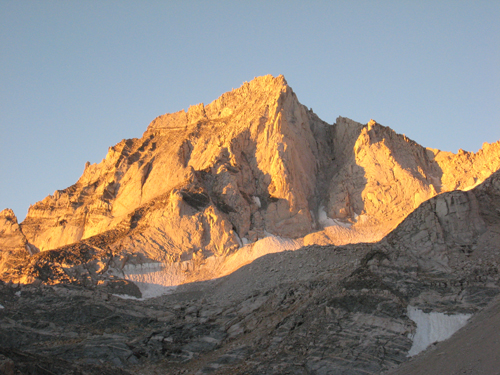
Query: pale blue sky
x=78, y=76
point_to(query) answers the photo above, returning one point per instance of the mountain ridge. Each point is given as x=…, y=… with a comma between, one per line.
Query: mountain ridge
x=252, y=163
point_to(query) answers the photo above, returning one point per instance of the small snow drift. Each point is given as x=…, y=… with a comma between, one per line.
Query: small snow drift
x=433, y=327
x=156, y=279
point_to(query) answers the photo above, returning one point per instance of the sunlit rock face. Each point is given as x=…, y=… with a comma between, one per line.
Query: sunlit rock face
x=252, y=164
x=15, y=250
x=195, y=176
x=10, y=232
x=380, y=176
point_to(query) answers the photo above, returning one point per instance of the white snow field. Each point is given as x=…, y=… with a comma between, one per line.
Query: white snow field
x=433, y=327
x=156, y=279
x=326, y=221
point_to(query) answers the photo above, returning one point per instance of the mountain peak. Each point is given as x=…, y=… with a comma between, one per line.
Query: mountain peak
x=258, y=91
x=253, y=163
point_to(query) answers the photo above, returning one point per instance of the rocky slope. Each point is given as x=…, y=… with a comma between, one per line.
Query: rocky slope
x=255, y=167
x=317, y=310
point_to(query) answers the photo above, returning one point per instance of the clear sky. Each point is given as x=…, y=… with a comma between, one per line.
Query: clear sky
x=76, y=77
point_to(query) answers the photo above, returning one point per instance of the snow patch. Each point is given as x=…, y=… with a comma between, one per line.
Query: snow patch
x=155, y=279
x=152, y=290
x=273, y=244
x=240, y=243
x=168, y=275
x=467, y=188
x=362, y=218
x=341, y=224
x=257, y=201
x=126, y=296
x=147, y=267
x=433, y=327
x=1, y=307
x=326, y=221
x=323, y=219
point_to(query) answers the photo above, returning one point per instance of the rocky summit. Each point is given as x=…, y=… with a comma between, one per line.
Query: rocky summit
x=248, y=236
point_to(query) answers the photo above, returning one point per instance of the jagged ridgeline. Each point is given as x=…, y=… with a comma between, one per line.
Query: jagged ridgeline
x=206, y=191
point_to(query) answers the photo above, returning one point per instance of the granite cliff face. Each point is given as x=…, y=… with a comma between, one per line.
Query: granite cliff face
x=246, y=163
